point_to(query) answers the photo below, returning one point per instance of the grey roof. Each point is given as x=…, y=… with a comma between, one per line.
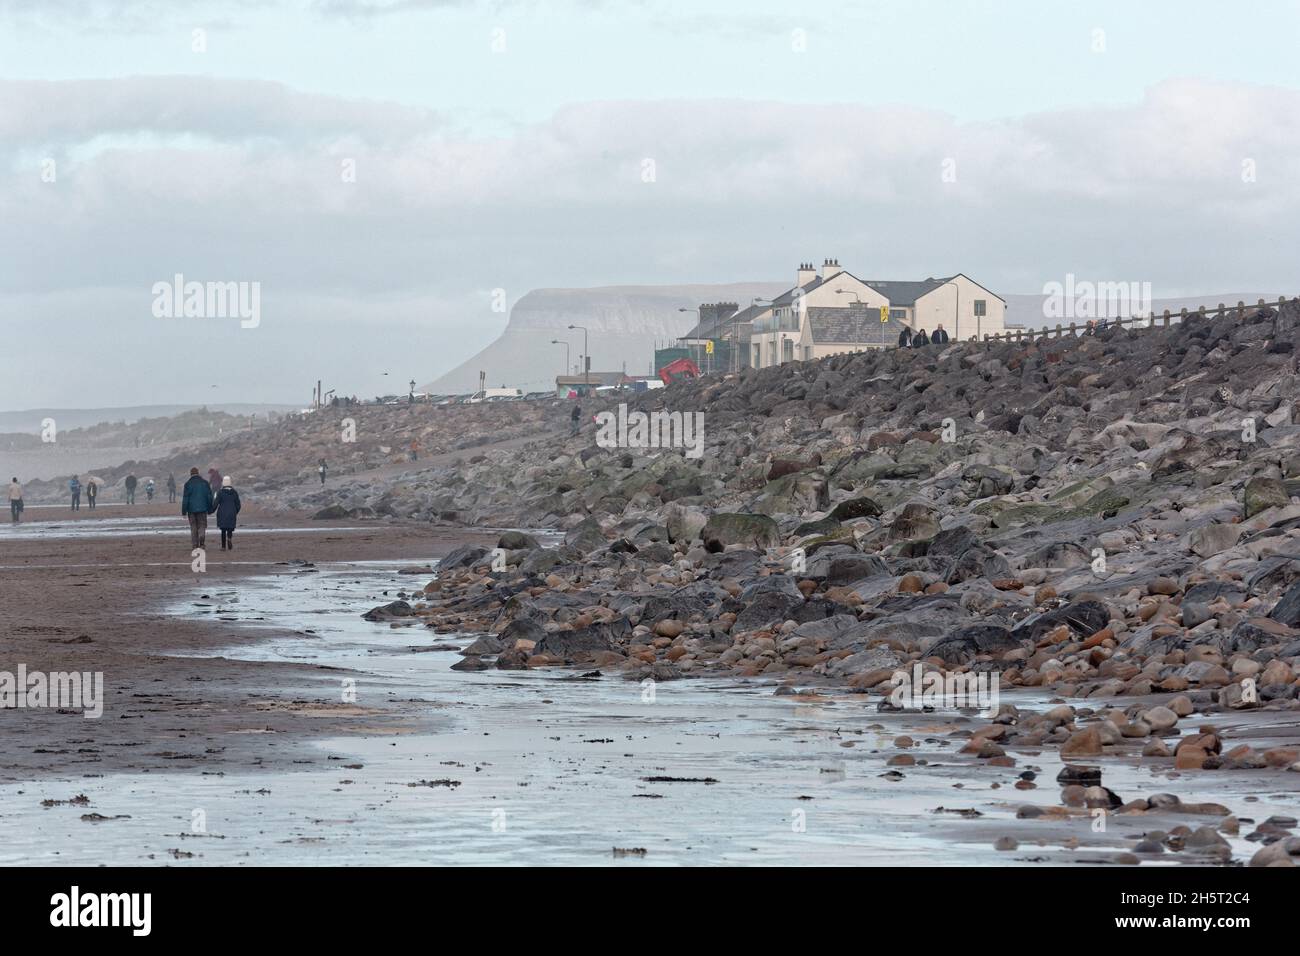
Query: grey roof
x=786, y=297
x=721, y=328
x=903, y=294
x=855, y=325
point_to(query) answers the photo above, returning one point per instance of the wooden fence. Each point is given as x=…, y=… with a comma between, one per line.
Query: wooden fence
x=1153, y=321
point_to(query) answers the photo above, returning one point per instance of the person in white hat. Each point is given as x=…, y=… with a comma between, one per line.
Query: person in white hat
x=227, y=508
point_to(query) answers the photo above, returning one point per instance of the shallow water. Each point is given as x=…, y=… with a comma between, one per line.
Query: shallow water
x=544, y=767
x=119, y=527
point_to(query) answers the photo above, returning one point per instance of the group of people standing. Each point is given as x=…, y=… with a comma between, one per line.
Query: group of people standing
x=200, y=497
x=907, y=339
x=129, y=485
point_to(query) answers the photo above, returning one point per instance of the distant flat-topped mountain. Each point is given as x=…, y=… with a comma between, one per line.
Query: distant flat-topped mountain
x=624, y=325
x=30, y=419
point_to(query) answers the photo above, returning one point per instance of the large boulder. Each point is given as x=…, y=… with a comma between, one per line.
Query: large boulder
x=855, y=508
x=584, y=641
x=754, y=531
x=979, y=562
x=394, y=610
x=1211, y=539
x=1264, y=493
x=1287, y=610
x=466, y=556
x=586, y=536
x=962, y=645
x=1085, y=618
x=916, y=521
x=685, y=523
x=517, y=541
x=768, y=607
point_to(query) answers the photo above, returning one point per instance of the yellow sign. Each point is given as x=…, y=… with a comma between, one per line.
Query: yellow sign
x=708, y=346
x=884, y=313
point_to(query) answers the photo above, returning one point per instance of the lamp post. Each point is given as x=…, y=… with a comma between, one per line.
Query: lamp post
x=956, y=309
x=566, y=353
x=586, y=360
x=700, y=363
x=761, y=301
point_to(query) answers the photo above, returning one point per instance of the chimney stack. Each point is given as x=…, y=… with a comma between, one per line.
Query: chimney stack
x=831, y=268
x=805, y=274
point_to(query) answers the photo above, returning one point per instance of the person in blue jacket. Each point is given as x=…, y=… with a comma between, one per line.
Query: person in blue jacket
x=196, y=505
x=227, y=507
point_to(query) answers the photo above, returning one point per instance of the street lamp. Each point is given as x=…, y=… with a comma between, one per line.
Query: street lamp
x=566, y=353
x=956, y=309
x=586, y=359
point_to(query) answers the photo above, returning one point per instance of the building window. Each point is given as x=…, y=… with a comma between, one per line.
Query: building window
x=899, y=314
x=980, y=307
x=787, y=350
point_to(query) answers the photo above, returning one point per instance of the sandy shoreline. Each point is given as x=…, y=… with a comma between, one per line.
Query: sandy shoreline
x=92, y=603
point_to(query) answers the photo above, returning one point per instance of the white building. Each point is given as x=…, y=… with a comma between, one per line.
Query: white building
x=837, y=312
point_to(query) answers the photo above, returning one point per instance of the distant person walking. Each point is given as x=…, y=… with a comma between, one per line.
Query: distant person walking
x=149, y=489
x=322, y=469
x=940, y=337
x=129, y=484
x=15, y=500
x=905, y=338
x=920, y=340
x=227, y=507
x=92, y=492
x=574, y=418
x=214, y=480
x=74, y=489
x=415, y=451
x=196, y=505
x=171, y=487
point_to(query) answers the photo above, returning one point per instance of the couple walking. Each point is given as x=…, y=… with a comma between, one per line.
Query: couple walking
x=198, y=501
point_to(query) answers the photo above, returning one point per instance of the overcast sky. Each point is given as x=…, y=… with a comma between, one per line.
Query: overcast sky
x=381, y=168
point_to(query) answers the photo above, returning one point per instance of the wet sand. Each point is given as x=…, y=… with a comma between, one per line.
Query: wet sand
x=83, y=591
x=226, y=738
